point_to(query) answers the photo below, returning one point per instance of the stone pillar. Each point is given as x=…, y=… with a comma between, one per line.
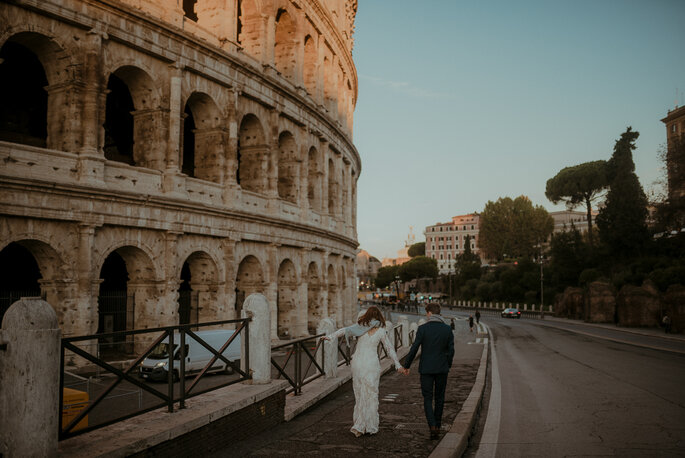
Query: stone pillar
x=404, y=321
x=88, y=282
x=391, y=333
x=29, y=374
x=257, y=307
x=232, y=309
x=272, y=158
x=271, y=289
x=91, y=160
x=330, y=347
x=413, y=329
x=270, y=43
x=231, y=150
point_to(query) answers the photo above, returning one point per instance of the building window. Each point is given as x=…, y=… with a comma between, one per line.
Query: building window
x=441, y=256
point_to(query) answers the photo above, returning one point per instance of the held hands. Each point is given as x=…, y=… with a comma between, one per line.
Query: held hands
x=403, y=371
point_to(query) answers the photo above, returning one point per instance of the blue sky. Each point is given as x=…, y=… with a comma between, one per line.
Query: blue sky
x=462, y=102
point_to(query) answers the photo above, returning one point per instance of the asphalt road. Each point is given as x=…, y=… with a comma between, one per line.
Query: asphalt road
x=557, y=392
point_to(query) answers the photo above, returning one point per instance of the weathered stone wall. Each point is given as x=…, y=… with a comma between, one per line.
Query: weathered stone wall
x=570, y=304
x=600, y=303
x=266, y=176
x=674, y=306
x=638, y=305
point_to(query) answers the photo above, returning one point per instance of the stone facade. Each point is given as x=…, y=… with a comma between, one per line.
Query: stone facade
x=161, y=160
x=446, y=241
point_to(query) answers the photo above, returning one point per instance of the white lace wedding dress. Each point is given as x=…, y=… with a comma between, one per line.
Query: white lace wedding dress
x=366, y=373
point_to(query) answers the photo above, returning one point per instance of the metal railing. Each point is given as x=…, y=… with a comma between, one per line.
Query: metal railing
x=297, y=351
x=124, y=379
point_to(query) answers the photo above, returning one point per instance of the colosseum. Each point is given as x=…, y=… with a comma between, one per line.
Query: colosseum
x=160, y=160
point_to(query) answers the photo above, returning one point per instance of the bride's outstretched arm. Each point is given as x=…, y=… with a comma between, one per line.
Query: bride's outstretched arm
x=338, y=333
x=390, y=349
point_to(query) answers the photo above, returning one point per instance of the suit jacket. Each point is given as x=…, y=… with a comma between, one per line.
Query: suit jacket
x=437, y=348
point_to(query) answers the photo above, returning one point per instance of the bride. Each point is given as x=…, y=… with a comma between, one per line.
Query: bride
x=366, y=367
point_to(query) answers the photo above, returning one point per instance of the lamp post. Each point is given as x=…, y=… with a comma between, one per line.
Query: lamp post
x=542, y=289
x=397, y=286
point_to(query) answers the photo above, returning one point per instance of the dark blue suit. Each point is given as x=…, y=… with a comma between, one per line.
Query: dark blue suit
x=437, y=351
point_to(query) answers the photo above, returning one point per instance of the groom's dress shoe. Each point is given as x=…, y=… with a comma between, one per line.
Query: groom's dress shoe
x=435, y=432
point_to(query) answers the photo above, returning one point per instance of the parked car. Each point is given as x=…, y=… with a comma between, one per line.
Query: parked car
x=156, y=365
x=511, y=313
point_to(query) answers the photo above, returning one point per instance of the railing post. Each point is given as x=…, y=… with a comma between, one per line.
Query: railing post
x=170, y=372
x=259, y=337
x=404, y=321
x=298, y=369
x=329, y=348
x=182, y=369
x=29, y=377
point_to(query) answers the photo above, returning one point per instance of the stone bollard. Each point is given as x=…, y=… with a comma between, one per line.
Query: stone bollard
x=391, y=332
x=29, y=379
x=421, y=321
x=257, y=307
x=404, y=321
x=330, y=347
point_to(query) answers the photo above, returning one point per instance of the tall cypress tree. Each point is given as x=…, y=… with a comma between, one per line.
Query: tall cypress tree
x=623, y=220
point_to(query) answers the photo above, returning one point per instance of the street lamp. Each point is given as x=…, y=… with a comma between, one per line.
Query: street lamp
x=542, y=289
x=397, y=286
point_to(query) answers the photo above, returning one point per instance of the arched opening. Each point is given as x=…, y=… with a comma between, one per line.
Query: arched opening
x=333, y=296
x=288, y=173
x=249, y=279
x=310, y=65
x=313, y=179
x=113, y=304
x=314, y=306
x=285, y=45
x=287, y=300
x=203, y=140
x=197, y=300
x=250, y=28
x=252, y=155
x=118, y=122
x=188, y=163
x=19, y=276
x=187, y=301
x=24, y=100
x=189, y=9
x=133, y=119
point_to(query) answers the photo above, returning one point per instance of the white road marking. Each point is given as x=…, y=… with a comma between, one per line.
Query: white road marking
x=487, y=447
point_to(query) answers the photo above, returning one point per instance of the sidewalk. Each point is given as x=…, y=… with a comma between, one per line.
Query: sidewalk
x=651, y=332
x=324, y=428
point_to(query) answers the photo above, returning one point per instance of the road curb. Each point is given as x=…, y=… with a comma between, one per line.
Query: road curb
x=454, y=443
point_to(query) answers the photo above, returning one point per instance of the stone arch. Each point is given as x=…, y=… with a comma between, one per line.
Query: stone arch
x=288, y=167
x=28, y=267
x=285, y=46
x=203, y=139
x=198, y=289
x=313, y=179
x=315, y=309
x=249, y=279
x=252, y=155
x=333, y=298
x=251, y=27
x=287, y=299
x=127, y=297
x=310, y=67
x=30, y=63
x=133, y=124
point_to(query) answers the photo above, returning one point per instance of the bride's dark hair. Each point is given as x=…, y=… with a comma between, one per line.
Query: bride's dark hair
x=373, y=313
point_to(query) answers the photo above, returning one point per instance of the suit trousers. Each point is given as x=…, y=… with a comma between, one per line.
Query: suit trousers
x=433, y=387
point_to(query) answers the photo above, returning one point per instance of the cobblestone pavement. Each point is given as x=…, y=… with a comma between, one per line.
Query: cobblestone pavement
x=324, y=429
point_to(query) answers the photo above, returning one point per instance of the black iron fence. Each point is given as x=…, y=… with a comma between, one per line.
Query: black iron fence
x=290, y=359
x=95, y=392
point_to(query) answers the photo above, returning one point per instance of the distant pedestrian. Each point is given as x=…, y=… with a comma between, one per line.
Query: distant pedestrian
x=470, y=323
x=666, y=322
x=477, y=316
x=452, y=324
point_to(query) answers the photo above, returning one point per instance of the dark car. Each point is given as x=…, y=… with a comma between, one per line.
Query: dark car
x=511, y=313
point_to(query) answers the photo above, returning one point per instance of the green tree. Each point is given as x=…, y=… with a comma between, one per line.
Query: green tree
x=467, y=263
x=622, y=220
x=417, y=249
x=513, y=227
x=418, y=267
x=386, y=275
x=580, y=184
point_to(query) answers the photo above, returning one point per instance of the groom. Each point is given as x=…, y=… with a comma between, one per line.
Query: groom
x=437, y=350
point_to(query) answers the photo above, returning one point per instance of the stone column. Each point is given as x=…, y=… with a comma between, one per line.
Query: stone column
x=88, y=282
x=270, y=41
x=228, y=248
x=330, y=347
x=29, y=374
x=257, y=307
x=231, y=149
x=272, y=156
x=271, y=289
x=172, y=182
x=91, y=160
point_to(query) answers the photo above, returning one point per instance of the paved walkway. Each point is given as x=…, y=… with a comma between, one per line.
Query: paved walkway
x=324, y=428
